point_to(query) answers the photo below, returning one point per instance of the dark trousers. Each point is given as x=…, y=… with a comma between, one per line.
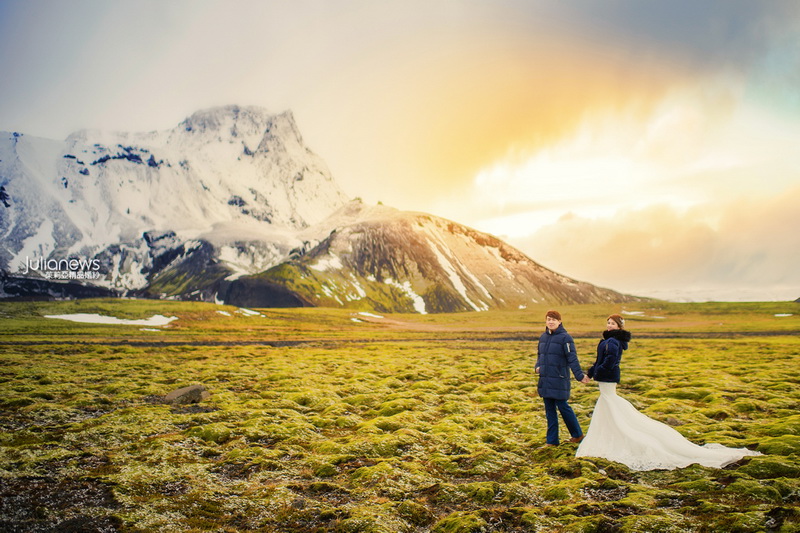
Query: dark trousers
x=571, y=421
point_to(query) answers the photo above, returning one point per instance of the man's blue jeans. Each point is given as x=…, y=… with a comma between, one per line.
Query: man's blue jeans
x=571, y=421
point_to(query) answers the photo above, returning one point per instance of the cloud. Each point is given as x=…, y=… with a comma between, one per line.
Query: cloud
x=405, y=100
x=713, y=35
x=749, y=244
x=691, y=149
x=478, y=86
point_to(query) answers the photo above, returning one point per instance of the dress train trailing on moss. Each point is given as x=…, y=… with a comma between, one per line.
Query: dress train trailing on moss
x=619, y=432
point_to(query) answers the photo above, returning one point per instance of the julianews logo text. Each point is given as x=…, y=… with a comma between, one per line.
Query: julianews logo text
x=69, y=268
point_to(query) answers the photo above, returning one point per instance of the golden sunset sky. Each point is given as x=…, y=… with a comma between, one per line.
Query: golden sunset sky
x=650, y=147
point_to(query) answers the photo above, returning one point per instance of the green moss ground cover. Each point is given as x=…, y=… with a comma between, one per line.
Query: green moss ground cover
x=329, y=420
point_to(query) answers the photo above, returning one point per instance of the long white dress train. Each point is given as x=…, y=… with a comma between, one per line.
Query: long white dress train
x=621, y=433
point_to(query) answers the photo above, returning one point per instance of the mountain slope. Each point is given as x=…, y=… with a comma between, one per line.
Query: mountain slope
x=391, y=261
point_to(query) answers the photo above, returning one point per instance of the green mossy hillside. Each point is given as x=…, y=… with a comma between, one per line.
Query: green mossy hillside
x=332, y=289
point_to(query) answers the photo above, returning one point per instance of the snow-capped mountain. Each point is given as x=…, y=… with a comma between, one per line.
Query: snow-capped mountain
x=239, y=178
x=395, y=261
x=230, y=205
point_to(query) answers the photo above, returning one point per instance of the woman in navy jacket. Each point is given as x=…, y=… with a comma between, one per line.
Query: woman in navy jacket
x=619, y=432
x=609, y=351
x=556, y=357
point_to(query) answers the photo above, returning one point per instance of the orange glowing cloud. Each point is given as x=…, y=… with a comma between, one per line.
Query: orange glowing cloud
x=451, y=119
x=745, y=243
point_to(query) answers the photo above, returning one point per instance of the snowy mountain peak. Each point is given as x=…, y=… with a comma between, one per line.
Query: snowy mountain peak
x=227, y=122
x=221, y=172
x=253, y=128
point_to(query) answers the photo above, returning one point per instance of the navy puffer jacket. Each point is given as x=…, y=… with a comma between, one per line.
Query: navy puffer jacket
x=556, y=358
x=609, y=355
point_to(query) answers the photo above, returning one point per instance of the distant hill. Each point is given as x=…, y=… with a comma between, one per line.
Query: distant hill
x=395, y=261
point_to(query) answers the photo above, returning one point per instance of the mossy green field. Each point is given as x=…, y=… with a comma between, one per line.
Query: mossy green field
x=334, y=420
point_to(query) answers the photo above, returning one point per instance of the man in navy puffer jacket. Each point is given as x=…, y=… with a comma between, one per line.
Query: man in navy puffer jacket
x=557, y=356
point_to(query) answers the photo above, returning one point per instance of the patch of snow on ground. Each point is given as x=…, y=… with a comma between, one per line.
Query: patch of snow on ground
x=330, y=290
x=359, y=289
x=360, y=293
x=364, y=313
x=501, y=262
x=639, y=313
x=224, y=313
x=455, y=279
x=155, y=320
x=323, y=265
x=783, y=314
x=477, y=282
x=474, y=279
x=249, y=258
x=419, y=303
x=248, y=312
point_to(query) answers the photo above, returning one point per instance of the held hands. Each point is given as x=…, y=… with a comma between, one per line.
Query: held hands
x=585, y=379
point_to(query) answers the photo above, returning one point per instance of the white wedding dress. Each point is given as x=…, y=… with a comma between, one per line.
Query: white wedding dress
x=620, y=433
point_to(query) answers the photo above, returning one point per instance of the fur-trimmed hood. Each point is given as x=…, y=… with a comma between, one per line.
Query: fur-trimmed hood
x=622, y=335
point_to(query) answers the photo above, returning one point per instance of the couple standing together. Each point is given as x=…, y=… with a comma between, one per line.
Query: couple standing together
x=617, y=431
